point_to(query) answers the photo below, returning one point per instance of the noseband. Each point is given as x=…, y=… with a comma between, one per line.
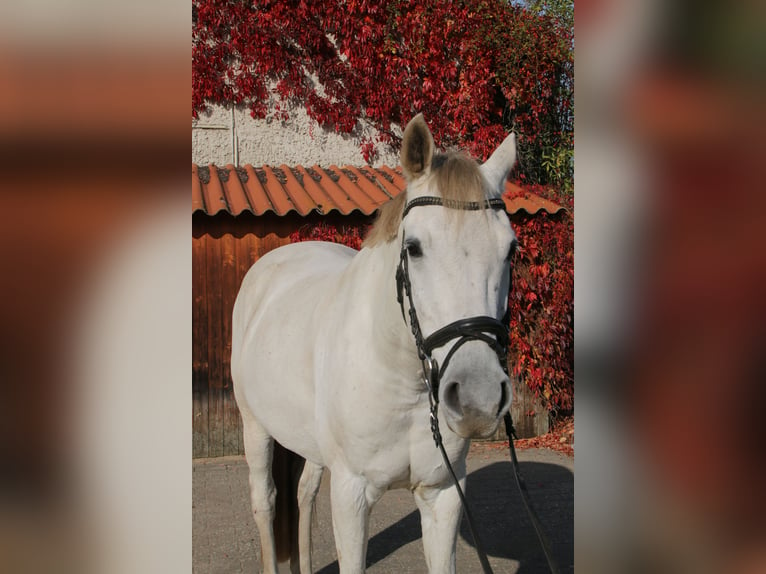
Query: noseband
x=481, y=328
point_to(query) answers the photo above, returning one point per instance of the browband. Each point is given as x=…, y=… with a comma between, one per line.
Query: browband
x=494, y=203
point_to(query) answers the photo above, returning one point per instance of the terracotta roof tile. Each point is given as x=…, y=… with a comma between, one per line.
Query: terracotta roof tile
x=256, y=195
x=344, y=189
x=294, y=188
x=352, y=190
x=382, y=181
x=214, y=198
x=338, y=198
x=197, y=203
x=276, y=193
x=234, y=191
x=318, y=195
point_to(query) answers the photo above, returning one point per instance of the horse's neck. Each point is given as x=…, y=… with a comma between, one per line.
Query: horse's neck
x=393, y=339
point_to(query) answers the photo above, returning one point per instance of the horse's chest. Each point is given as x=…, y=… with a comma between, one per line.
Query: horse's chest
x=388, y=442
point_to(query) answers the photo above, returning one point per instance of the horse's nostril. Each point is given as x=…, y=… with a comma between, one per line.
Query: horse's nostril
x=452, y=397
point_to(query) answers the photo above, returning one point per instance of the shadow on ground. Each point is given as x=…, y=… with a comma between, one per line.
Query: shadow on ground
x=502, y=523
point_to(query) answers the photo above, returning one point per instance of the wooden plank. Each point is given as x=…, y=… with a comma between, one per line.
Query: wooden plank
x=215, y=418
x=246, y=251
x=199, y=424
x=256, y=248
x=229, y=286
x=524, y=402
x=215, y=346
x=240, y=438
x=267, y=238
x=285, y=227
x=526, y=425
x=231, y=424
x=199, y=315
x=214, y=313
x=228, y=291
x=199, y=348
x=519, y=407
x=245, y=254
x=542, y=422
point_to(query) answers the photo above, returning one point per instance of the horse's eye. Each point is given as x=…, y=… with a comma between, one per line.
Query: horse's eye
x=414, y=249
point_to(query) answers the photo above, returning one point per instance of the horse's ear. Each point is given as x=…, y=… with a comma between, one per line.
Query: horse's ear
x=417, y=148
x=499, y=165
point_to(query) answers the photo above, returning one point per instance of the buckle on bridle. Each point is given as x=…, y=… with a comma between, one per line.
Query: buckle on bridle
x=431, y=376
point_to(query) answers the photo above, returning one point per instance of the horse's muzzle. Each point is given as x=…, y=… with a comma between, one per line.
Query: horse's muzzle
x=473, y=408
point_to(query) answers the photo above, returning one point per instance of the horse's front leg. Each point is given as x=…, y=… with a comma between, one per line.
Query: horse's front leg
x=352, y=499
x=440, y=513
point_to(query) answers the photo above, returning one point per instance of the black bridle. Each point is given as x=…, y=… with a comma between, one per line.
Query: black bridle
x=480, y=328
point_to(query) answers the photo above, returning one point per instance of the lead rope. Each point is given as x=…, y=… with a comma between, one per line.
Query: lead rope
x=522, y=486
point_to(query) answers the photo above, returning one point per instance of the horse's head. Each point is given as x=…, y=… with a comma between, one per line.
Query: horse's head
x=456, y=258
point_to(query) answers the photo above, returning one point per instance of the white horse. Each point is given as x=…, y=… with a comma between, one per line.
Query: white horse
x=324, y=362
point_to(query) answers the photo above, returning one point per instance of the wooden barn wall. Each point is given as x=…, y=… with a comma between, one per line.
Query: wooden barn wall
x=223, y=249
x=530, y=418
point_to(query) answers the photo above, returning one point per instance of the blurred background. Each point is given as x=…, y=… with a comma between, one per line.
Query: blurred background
x=95, y=329
x=670, y=271
x=669, y=277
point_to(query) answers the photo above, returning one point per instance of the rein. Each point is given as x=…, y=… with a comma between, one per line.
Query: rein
x=480, y=328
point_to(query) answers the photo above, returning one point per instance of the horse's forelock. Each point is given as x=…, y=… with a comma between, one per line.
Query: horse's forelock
x=457, y=177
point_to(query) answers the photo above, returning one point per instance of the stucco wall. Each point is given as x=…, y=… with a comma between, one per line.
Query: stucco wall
x=298, y=140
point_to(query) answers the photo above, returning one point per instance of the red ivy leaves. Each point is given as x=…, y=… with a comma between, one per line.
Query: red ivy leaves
x=559, y=438
x=542, y=306
x=348, y=235
x=475, y=68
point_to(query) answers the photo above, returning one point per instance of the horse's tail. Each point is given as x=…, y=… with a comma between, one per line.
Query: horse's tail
x=286, y=471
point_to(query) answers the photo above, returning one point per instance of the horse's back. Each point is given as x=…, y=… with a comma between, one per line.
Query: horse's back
x=273, y=332
x=278, y=273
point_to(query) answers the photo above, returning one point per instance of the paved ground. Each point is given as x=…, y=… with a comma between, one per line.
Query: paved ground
x=225, y=540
